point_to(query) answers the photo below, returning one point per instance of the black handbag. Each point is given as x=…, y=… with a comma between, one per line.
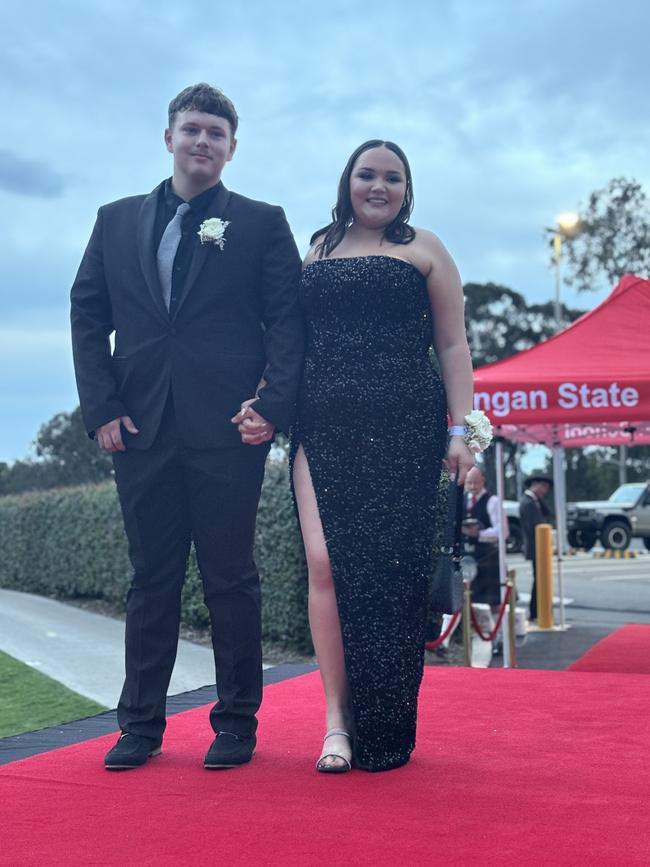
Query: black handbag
x=447, y=584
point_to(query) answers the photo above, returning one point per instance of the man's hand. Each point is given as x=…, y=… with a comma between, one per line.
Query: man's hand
x=254, y=429
x=472, y=531
x=109, y=435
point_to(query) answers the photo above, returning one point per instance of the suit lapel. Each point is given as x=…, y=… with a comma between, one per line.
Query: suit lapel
x=146, y=225
x=216, y=208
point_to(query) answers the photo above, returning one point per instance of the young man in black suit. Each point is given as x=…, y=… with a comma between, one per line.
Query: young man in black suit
x=199, y=287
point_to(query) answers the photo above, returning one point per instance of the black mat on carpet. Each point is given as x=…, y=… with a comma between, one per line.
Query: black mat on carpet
x=558, y=650
x=41, y=741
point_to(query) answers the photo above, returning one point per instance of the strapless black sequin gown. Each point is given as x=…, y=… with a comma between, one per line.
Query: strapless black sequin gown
x=372, y=419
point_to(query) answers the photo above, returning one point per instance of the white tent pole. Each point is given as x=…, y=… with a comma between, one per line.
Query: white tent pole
x=622, y=464
x=519, y=475
x=498, y=440
x=560, y=522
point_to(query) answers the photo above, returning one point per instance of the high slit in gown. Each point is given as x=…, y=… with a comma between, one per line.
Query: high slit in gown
x=372, y=420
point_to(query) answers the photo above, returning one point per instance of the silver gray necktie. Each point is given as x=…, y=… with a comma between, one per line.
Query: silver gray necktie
x=167, y=251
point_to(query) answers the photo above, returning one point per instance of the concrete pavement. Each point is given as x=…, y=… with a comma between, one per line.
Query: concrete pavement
x=84, y=650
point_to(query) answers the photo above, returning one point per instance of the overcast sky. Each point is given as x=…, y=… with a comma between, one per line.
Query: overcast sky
x=510, y=111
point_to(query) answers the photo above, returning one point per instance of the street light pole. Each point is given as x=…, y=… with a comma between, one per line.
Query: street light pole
x=557, y=258
x=565, y=224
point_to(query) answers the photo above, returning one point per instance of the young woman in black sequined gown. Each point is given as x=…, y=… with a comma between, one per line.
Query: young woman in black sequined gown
x=367, y=447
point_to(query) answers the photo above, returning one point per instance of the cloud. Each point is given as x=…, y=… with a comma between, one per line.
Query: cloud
x=26, y=177
x=36, y=382
x=509, y=112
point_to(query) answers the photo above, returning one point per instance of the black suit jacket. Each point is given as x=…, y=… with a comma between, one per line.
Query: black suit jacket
x=531, y=513
x=237, y=321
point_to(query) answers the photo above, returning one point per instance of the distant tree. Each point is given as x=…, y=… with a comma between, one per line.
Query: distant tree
x=64, y=456
x=64, y=443
x=593, y=473
x=27, y=475
x=500, y=321
x=613, y=237
x=638, y=464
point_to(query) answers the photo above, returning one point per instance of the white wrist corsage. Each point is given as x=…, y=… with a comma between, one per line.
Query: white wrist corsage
x=212, y=231
x=478, y=433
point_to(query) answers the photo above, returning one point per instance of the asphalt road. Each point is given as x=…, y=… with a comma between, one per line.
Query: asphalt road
x=86, y=650
x=603, y=591
x=600, y=596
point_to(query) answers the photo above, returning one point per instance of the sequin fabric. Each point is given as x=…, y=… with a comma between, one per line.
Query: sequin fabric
x=372, y=420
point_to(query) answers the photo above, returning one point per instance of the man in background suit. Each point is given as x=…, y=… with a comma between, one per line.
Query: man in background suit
x=199, y=287
x=486, y=523
x=533, y=511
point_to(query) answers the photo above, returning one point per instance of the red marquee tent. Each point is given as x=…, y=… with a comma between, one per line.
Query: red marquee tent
x=587, y=385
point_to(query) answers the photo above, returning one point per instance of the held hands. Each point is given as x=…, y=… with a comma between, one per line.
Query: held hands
x=109, y=435
x=254, y=429
x=459, y=459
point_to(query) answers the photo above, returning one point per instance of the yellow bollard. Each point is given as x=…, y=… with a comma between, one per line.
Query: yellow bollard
x=544, y=559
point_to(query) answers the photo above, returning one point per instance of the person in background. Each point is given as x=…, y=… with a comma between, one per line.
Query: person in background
x=533, y=511
x=485, y=522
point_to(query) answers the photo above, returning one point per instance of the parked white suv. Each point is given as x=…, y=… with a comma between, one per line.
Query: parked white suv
x=626, y=514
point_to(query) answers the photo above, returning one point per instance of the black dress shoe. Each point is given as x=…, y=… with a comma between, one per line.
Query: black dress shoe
x=229, y=750
x=131, y=751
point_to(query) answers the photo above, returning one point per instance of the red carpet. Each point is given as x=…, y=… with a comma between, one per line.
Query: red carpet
x=512, y=767
x=625, y=651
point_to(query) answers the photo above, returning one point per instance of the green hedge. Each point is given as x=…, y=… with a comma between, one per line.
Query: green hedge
x=70, y=543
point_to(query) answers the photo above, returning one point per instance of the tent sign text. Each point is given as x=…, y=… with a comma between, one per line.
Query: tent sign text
x=570, y=395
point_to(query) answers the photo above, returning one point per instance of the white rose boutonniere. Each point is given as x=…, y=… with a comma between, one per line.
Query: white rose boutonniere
x=212, y=231
x=479, y=431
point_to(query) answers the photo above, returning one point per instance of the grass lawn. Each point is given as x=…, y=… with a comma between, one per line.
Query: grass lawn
x=30, y=700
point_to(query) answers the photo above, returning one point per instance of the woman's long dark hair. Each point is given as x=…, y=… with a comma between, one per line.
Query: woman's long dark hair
x=398, y=230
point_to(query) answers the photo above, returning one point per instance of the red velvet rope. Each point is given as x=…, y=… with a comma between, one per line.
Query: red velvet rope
x=502, y=611
x=431, y=645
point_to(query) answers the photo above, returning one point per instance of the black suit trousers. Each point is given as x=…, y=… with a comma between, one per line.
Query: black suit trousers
x=170, y=496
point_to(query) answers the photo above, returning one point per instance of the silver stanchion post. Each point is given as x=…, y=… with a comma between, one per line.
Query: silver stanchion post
x=560, y=523
x=512, y=618
x=505, y=623
x=467, y=623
